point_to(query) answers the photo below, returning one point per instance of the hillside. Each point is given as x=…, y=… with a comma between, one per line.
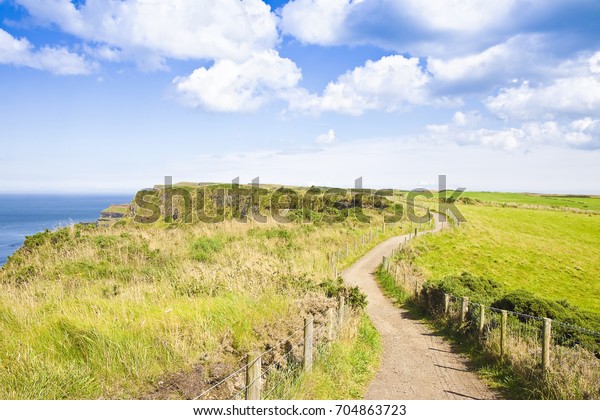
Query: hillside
x=95, y=312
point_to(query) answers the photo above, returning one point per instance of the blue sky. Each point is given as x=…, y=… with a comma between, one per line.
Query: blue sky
x=104, y=96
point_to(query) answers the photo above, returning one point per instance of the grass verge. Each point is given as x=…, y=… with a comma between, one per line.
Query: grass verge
x=346, y=366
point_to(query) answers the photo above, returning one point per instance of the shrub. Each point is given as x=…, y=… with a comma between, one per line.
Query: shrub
x=336, y=288
x=479, y=289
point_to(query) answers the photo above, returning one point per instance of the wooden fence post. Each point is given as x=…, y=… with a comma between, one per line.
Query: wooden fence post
x=546, y=338
x=396, y=274
x=347, y=250
x=330, y=324
x=385, y=264
x=333, y=263
x=341, y=309
x=503, y=327
x=253, y=373
x=416, y=232
x=446, y=303
x=417, y=289
x=363, y=239
x=308, y=343
x=464, y=309
x=383, y=228
x=481, y=319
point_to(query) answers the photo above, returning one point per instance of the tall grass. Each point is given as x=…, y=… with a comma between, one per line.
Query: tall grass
x=346, y=367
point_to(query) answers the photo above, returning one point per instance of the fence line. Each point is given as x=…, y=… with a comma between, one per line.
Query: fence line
x=336, y=257
x=563, y=360
x=279, y=377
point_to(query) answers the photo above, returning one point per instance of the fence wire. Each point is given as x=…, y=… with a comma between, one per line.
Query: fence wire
x=282, y=364
x=572, y=370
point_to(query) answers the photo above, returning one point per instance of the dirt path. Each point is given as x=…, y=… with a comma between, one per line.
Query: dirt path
x=416, y=363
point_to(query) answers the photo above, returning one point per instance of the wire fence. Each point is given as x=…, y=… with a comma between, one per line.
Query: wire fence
x=276, y=373
x=560, y=360
x=356, y=247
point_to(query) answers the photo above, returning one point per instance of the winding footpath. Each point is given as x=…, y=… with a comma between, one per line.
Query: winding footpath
x=416, y=363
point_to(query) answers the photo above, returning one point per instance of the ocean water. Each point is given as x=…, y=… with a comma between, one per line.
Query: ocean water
x=24, y=215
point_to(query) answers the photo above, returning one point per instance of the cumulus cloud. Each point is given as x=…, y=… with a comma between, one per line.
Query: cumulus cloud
x=436, y=27
x=569, y=96
x=329, y=22
x=326, y=138
x=231, y=86
x=458, y=15
x=151, y=30
x=468, y=129
x=493, y=65
x=316, y=21
x=389, y=84
x=578, y=95
x=20, y=52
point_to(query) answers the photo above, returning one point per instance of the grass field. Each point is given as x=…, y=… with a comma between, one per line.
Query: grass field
x=550, y=200
x=550, y=253
x=89, y=312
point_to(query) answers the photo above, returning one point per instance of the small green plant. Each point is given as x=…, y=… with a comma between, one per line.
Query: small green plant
x=336, y=288
x=202, y=249
x=356, y=298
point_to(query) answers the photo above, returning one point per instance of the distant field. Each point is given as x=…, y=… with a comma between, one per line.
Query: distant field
x=554, y=254
x=583, y=203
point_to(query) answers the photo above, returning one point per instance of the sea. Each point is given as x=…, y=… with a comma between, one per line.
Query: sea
x=24, y=215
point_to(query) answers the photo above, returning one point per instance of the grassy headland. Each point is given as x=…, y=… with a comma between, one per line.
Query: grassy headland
x=92, y=312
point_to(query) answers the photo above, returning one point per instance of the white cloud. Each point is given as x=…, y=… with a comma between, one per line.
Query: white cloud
x=458, y=15
x=468, y=130
x=316, y=21
x=231, y=86
x=594, y=63
x=181, y=29
x=20, y=52
x=326, y=138
x=460, y=119
x=576, y=95
x=497, y=63
x=389, y=84
x=326, y=22
x=433, y=27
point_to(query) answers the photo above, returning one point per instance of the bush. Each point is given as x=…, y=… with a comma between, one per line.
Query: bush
x=478, y=289
x=336, y=288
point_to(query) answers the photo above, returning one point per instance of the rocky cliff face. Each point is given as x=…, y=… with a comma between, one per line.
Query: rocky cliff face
x=113, y=214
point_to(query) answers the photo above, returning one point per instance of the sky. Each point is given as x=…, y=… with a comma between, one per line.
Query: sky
x=111, y=96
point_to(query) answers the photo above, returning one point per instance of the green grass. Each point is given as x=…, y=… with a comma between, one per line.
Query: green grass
x=345, y=369
x=117, y=209
x=560, y=201
x=63, y=352
x=552, y=254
